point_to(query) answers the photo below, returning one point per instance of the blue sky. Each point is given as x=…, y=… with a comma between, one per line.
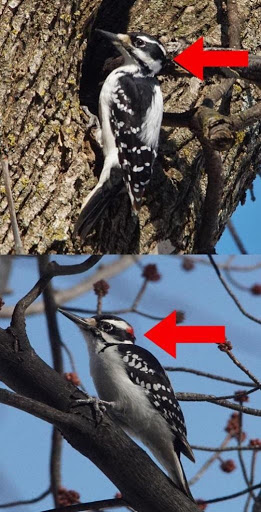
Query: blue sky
x=246, y=221
x=25, y=440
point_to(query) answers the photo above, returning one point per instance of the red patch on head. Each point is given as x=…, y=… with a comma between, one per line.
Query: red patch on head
x=130, y=330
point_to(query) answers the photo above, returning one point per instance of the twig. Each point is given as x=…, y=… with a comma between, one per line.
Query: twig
x=139, y=295
x=213, y=167
x=243, y=368
x=38, y=409
x=240, y=455
x=235, y=283
x=26, y=502
x=225, y=266
x=61, y=296
x=246, y=118
x=227, y=449
x=232, y=230
x=208, y=375
x=227, y=397
x=196, y=397
x=55, y=463
x=94, y=505
x=53, y=269
x=210, y=461
x=235, y=495
x=233, y=24
x=17, y=240
x=251, y=480
x=99, y=305
x=229, y=291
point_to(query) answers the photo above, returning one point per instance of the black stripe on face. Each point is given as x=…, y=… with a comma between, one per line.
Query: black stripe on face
x=150, y=45
x=116, y=327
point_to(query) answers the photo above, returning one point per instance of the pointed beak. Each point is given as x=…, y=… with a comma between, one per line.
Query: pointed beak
x=84, y=323
x=117, y=39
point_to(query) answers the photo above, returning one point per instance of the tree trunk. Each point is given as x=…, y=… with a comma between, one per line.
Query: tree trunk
x=53, y=159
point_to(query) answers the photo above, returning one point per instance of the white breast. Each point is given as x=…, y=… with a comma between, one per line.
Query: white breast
x=108, y=89
x=151, y=127
x=133, y=409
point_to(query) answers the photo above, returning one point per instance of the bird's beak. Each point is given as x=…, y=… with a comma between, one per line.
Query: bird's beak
x=117, y=39
x=81, y=322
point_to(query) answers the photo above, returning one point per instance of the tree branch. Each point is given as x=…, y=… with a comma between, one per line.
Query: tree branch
x=234, y=495
x=93, y=505
x=229, y=291
x=61, y=296
x=26, y=502
x=227, y=449
x=208, y=375
x=196, y=397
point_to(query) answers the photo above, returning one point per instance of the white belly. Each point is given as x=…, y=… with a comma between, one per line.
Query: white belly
x=132, y=408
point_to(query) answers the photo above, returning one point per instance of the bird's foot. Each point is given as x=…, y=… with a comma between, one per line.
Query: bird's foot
x=93, y=122
x=99, y=406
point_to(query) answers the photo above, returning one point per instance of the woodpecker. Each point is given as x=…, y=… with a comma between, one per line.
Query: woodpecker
x=136, y=391
x=130, y=113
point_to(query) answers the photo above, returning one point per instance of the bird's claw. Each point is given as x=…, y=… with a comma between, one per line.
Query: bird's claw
x=98, y=406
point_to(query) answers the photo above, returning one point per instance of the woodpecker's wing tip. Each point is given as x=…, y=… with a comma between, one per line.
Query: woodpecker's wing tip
x=189, y=452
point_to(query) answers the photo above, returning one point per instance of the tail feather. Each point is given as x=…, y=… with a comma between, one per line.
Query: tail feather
x=178, y=476
x=96, y=203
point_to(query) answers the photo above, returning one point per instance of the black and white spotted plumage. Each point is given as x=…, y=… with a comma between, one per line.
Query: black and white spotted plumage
x=144, y=370
x=137, y=390
x=135, y=157
x=130, y=113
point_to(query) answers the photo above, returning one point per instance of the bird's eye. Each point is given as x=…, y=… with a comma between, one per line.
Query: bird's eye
x=107, y=327
x=139, y=43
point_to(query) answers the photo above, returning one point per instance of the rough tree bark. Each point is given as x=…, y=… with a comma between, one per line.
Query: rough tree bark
x=54, y=161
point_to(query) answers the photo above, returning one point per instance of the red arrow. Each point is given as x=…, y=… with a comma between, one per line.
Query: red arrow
x=194, y=58
x=166, y=334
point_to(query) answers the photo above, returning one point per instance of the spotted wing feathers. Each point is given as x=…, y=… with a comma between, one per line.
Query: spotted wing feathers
x=144, y=370
x=135, y=156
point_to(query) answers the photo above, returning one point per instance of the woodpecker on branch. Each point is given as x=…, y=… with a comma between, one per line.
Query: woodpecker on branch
x=136, y=391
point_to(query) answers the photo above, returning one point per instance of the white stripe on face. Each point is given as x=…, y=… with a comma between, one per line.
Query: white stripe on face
x=150, y=40
x=108, y=338
x=118, y=323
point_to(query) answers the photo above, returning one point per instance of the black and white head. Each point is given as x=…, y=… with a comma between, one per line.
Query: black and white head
x=108, y=329
x=139, y=48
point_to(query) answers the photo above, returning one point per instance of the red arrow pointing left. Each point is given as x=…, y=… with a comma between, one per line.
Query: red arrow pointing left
x=166, y=334
x=194, y=58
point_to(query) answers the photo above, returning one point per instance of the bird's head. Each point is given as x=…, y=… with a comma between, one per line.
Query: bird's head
x=139, y=48
x=106, y=328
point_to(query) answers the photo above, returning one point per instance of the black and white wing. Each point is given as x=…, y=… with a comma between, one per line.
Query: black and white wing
x=145, y=370
x=136, y=115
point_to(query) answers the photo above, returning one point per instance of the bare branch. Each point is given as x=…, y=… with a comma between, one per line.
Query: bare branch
x=232, y=230
x=209, y=462
x=196, y=397
x=93, y=505
x=214, y=170
x=251, y=480
x=233, y=24
x=56, y=350
x=240, y=454
x=234, y=495
x=103, y=272
x=17, y=240
x=224, y=266
x=232, y=295
x=26, y=502
x=227, y=449
x=208, y=375
x=243, y=368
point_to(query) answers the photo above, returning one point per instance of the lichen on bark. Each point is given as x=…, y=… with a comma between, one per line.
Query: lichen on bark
x=53, y=161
